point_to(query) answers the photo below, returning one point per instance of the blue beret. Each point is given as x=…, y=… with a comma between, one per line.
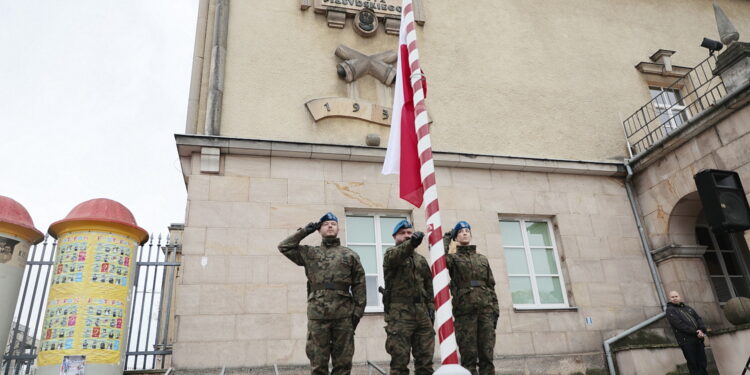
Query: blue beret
x=460, y=225
x=401, y=225
x=329, y=216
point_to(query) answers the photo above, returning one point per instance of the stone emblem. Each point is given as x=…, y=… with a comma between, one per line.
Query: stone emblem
x=354, y=66
x=385, y=12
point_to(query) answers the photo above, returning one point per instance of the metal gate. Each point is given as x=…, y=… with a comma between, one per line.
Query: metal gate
x=149, y=338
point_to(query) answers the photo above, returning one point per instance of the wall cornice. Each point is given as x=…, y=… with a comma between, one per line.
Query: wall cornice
x=188, y=144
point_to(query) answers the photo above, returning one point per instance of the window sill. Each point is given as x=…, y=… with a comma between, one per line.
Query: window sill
x=544, y=309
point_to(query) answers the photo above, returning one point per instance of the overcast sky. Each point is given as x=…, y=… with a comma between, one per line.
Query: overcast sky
x=91, y=94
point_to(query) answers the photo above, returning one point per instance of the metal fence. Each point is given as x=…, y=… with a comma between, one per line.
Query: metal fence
x=673, y=106
x=149, y=341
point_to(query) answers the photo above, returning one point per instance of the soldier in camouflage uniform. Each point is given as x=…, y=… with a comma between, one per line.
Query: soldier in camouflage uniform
x=475, y=306
x=408, y=301
x=336, y=295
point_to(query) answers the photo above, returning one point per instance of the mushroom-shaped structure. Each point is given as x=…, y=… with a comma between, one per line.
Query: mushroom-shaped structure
x=15, y=220
x=100, y=241
x=17, y=234
x=100, y=211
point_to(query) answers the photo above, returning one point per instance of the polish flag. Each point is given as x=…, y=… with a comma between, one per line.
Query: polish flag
x=401, y=157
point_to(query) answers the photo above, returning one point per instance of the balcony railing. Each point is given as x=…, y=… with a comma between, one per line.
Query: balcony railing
x=672, y=107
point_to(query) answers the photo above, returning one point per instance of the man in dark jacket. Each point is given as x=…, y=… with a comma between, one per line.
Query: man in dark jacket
x=689, y=331
x=336, y=294
x=410, y=309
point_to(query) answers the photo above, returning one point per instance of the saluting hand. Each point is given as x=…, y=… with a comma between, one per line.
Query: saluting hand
x=416, y=239
x=311, y=227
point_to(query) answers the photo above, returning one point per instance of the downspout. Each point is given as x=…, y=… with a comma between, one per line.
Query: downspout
x=651, y=265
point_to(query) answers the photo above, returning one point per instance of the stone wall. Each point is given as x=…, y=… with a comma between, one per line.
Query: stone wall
x=730, y=348
x=669, y=204
x=667, y=181
x=240, y=303
x=649, y=361
x=498, y=76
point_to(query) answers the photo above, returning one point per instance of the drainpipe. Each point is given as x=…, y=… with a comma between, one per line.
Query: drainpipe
x=651, y=265
x=642, y=235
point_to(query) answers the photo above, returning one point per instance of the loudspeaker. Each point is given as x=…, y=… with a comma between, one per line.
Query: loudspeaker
x=723, y=198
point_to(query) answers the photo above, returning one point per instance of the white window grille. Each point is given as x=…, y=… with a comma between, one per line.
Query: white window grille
x=533, y=264
x=669, y=106
x=369, y=234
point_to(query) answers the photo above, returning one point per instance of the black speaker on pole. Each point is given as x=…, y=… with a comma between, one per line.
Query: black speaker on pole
x=723, y=199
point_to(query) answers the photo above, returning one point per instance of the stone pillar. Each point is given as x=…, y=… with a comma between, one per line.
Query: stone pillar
x=88, y=302
x=683, y=269
x=733, y=65
x=17, y=234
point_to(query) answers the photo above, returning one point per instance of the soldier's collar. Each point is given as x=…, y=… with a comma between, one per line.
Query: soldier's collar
x=467, y=248
x=331, y=242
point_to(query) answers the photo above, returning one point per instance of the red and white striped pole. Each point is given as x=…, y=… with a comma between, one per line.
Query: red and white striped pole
x=440, y=276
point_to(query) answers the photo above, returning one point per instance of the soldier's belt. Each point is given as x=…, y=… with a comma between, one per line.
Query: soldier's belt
x=407, y=299
x=471, y=284
x=330, y=286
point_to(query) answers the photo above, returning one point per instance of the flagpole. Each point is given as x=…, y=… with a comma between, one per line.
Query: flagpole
x=440, y=276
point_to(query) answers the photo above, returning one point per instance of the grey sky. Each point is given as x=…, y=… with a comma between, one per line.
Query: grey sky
x=92, y=93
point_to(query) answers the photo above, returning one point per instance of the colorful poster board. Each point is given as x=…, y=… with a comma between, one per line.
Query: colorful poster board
x=13, y=251
x=88, y=301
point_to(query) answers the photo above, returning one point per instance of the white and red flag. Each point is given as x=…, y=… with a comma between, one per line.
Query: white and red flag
x=410, y=155
x=402, y=157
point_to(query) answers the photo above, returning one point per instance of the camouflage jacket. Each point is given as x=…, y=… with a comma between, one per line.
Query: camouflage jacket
x=472, y=283
x=329, y=264
x=408, y=284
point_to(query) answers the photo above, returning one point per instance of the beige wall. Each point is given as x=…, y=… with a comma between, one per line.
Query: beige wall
x=670, y=206
x=245, y=306
x=649, y=361
x=545, y=79
x=730, y=350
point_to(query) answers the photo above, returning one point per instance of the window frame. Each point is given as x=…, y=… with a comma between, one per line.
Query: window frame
x=379, y=244
x=725, y=275
x=537, y=305
x=671, y=110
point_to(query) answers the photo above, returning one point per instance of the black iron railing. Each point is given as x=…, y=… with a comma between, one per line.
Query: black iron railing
x=672, y=107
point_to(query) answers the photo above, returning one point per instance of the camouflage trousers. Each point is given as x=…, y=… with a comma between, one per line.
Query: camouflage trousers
x=332, y=339
x=475, y=334
x=415, y=337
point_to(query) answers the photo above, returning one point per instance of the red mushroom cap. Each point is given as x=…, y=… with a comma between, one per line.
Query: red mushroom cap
x=15, y=215
x=101, y=210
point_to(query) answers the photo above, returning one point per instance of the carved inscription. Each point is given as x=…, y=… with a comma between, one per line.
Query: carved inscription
x=348, y=107
x=381, y=7
x=387, y=13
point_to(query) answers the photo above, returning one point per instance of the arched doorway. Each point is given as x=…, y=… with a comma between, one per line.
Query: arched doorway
x=726, y=255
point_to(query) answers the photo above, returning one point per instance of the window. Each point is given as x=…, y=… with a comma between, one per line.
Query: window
x=725, y=266
x=669, y=107
x=533, y=264
x=370, y=235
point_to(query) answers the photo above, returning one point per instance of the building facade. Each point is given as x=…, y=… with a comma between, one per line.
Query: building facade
x=288, y=118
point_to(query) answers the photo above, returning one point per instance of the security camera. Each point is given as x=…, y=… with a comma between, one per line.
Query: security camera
x=712, y=45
